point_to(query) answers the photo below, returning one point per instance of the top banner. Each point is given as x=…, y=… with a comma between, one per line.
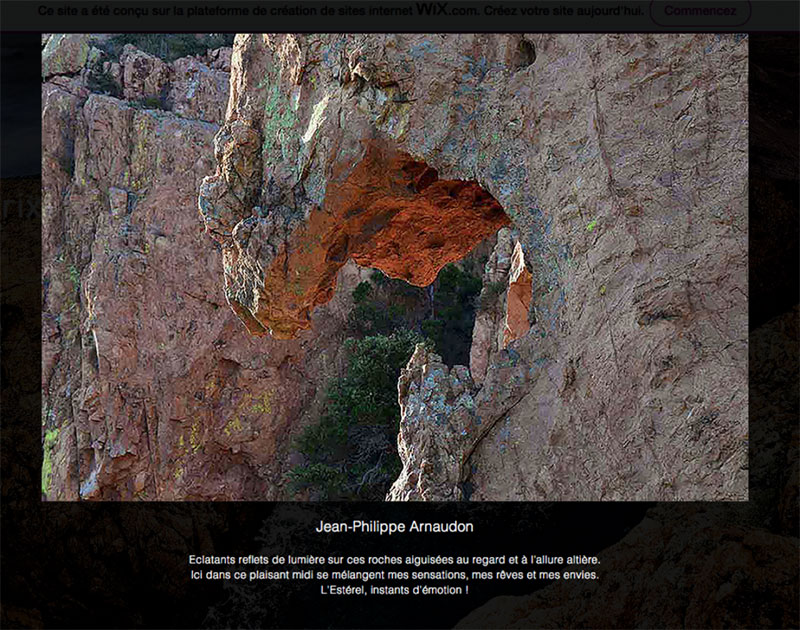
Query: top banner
x=657, y=16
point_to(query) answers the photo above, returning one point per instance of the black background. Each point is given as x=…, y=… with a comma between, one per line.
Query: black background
x=124, y=565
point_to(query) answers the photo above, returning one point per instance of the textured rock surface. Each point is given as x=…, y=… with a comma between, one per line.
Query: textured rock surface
x=198, y=90
x=65, y=54
x=144, y=76
x=437, y=418
x=444, y=418
x=487, y=333
x=151, y=387
x=622, y=163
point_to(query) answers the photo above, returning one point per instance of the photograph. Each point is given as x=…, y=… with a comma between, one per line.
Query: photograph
x=394, y=267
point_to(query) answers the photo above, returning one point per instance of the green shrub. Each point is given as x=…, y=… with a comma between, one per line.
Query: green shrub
x=443, y=312
x=75, y=277
x=362, y=292
x=384, y=307
x=374, y=318
x=151, y=102
x=450, y=325
x=326, y=479
x=102, y=83
x=50, y=438
x=351, y=453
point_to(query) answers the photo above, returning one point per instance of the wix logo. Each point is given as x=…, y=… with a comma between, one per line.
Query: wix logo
x=431, y=8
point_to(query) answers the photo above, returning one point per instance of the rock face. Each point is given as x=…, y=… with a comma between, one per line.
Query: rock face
x=438, y=416
x=444, y=418
x=609, y=350
x=504, y=307
x=621, y=162
x=487, y=333
x=144, y=76
x=65, y=54
x=152, y=389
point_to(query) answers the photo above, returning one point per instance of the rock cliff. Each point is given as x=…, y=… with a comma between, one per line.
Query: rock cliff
x=620, y=164
x=608, y=361
x=152, y=388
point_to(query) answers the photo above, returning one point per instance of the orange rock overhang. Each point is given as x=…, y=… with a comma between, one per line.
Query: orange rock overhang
x=389, y=212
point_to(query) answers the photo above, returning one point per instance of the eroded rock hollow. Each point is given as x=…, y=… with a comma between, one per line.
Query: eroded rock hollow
x=387, y=212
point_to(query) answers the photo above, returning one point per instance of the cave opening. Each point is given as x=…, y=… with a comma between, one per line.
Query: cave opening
x=428, y=240
x=443, y=312
x=435, y=259
x=434, y=247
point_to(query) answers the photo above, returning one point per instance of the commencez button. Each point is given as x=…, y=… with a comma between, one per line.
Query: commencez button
x=682, y=13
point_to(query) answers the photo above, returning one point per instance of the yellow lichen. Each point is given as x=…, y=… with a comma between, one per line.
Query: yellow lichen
x=232, y=425
x=263, y=403
x=194, y=437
